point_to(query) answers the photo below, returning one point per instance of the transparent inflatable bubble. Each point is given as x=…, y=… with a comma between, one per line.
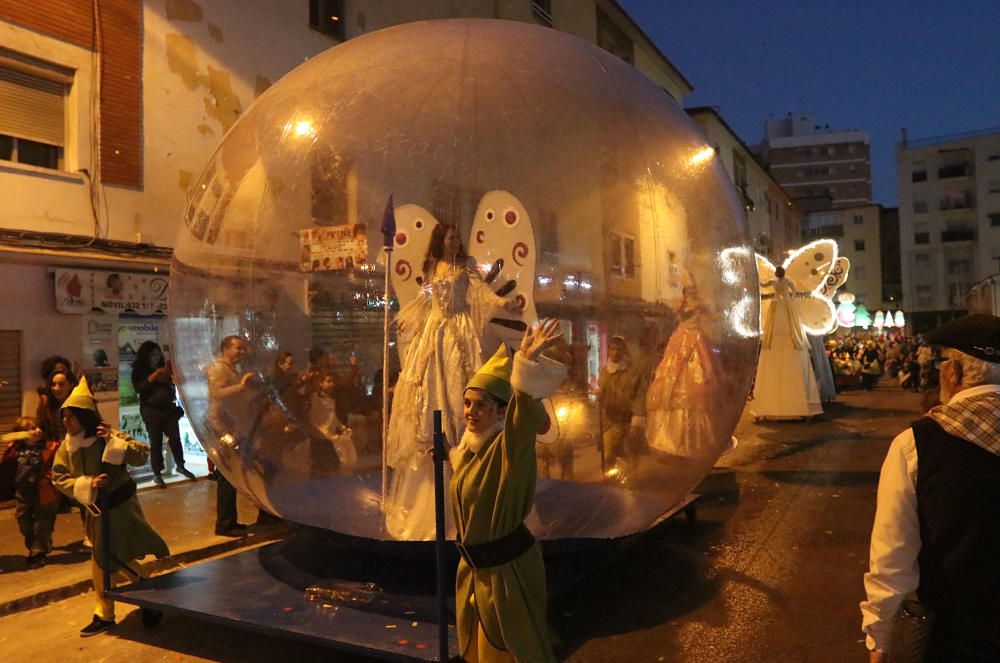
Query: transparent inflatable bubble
x=579, y=191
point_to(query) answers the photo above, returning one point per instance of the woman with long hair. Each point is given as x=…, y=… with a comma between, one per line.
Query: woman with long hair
x=153, y=380
x=441, y=329
x=57, y=388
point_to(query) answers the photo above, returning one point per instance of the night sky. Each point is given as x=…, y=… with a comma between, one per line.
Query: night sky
x=932, y=67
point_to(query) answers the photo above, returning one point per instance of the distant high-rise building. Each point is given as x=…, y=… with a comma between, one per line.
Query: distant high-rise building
x=819, y=167
x=949, y=220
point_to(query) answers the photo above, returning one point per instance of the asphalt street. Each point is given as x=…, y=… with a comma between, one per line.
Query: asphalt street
x=771, y=570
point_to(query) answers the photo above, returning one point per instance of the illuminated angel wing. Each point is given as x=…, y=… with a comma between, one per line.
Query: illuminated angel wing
x=765, y=275
x=817, y=314
x=836, y=277
x=549, y=434
x=414, y=226
x=503, y=243
x=807, y=268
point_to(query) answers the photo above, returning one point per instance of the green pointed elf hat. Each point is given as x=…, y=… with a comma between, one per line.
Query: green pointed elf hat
x=494, y=376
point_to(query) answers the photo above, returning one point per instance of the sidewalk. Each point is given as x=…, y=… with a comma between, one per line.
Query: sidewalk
x=183, y=514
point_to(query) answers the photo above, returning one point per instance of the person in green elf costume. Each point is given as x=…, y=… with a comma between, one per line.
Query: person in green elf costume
x=91, y=467
x=500, y=595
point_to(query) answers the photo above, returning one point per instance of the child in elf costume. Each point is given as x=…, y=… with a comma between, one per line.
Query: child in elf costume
x=91, y=466
x=26, y=475
x=500, y=596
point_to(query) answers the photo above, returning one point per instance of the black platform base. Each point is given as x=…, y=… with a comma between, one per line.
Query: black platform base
x=241, y=591
x=347, y=593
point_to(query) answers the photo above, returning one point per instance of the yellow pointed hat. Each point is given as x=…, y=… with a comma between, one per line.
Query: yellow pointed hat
x=494, y=376
x=81, y=397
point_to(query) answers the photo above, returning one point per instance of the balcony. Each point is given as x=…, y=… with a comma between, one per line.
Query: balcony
x=823, y=231
x=964, y=201
x=954, y=170
x=959, y=235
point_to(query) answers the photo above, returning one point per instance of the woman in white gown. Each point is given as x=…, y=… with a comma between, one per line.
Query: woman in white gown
x=441, y=331
x=785, y=385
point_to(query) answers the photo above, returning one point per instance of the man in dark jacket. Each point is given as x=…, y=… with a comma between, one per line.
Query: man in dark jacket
x=937, y=525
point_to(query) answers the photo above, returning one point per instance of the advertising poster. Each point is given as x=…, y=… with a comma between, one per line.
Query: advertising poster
x=333, y=248
x=86, y=290
x=100, y=355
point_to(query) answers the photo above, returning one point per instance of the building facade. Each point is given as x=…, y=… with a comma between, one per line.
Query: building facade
x=949, y=218
x=773, y=219
x=864, y=234
x=108, y=113
x=819, y=167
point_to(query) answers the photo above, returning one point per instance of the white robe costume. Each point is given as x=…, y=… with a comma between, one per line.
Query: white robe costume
x=785, y=385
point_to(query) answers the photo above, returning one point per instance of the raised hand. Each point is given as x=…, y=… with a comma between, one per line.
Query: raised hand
x=538, y=338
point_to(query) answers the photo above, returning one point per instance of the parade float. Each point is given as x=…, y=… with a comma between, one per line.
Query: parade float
x=579, y=190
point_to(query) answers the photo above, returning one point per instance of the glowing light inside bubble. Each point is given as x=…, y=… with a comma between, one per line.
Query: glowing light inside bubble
x=729, y=263
x=562, y=413
x=701, y=156
x=739, y=318
x=879, y=320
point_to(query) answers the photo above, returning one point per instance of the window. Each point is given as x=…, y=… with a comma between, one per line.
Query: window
x=995, y=220
x=922, y=237
x=612, y=38
x=859, y=219
x=924, y=295
x=859, y=245
x=859, y=272
x=920, y=207
x=327, y=16
x=922, y=260
x=542, y=10
x=32, y=111
x=957, y=294
x=10, y=370
x=993, y=157
x=995, y=186
x=960, y=266
x=623, y=255
x=851, y=149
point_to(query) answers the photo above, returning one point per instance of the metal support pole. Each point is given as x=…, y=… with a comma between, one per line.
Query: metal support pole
x=439, y=542
x=385, y=378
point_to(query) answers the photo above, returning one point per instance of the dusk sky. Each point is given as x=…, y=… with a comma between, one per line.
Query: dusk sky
x=932, y=67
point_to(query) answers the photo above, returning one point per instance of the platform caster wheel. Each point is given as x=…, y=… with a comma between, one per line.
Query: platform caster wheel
x=150, y=618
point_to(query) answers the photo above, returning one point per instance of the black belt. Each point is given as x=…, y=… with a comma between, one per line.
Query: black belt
x=498, y=552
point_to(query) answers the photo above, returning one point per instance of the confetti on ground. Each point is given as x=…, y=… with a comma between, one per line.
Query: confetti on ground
x=421, y=645
x=404, y=642
x=414, y=624
x=390, y=626
x=288, y=609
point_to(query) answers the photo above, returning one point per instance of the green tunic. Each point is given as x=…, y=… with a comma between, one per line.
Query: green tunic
x=131, y=536
x=492, y=493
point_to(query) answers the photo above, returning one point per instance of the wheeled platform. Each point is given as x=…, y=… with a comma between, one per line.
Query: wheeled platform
x=369, y=597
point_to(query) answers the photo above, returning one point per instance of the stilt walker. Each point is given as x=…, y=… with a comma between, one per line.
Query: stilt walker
x=388, y=235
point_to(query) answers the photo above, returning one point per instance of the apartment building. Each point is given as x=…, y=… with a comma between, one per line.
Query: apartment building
x=773, y=218
x=865, y=235
x=820, y=168
x=949, y=218
x=110, y=110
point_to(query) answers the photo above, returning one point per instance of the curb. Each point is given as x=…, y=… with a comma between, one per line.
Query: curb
x=157, y=567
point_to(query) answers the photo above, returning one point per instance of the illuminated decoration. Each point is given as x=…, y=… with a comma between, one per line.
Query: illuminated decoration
x=862, y=318
x=846, y=316
x=815, y=272
x=900, y=320
x=889, y=322
x=879, y=320
x=701, y=156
